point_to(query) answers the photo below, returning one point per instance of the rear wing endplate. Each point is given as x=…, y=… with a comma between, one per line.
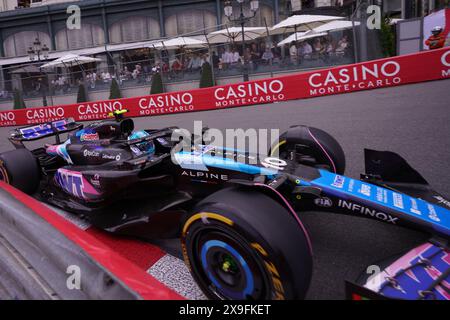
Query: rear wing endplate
x=45, y=130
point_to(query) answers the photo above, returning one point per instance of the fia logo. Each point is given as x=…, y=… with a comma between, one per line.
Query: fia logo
x=323, y=202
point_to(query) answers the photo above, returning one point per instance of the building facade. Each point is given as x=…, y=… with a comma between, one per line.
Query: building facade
x=106, y=23
x=118, y=21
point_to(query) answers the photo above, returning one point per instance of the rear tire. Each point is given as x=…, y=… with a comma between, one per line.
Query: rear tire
x=241, y=244
x=323, y=148
x=20, y=169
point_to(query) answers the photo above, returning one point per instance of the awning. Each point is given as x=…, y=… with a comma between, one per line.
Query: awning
x=302, y=22
x=70, y=60
x=335, y=26
x=300, y=36
x=52, y=56
x=27, y=69
x=133, y=45
x=180, y=43
x=234, y=34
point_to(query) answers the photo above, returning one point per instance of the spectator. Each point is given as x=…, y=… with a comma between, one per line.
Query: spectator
x=293, y=53
x=248, y=56
x=93, y=81
x=329, y=46
x=215, y=60
x=262, y=48
x=127, y=73
x=156, y=68
x=267, y=56
x=228, y=58
x=165, y=68
x=255, y=55
x=195, y=64
x=176, y=67
x=318, y=47
x=276, y=51
x=342, y=46
x=205, y=58
x=4, y=94
x=306, y=50
x=235, y=57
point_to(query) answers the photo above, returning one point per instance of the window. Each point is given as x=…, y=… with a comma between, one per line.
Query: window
x=190, y=21
x=19, y=43
x=134, y=29
x=89, y=35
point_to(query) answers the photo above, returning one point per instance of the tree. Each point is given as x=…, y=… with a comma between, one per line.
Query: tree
x=81, y=96
x=387, y=37
x=114, y=92
x=157, y=84
x=19, y=103
x=206, y=79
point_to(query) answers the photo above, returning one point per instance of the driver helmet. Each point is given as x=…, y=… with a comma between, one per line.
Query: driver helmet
x=436, y=30
x=144, y=147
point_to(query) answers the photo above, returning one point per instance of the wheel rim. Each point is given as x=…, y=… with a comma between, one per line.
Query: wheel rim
x=227, y=267
x=3, y=174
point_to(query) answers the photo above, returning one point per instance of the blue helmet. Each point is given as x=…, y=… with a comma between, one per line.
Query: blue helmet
x=144, y=147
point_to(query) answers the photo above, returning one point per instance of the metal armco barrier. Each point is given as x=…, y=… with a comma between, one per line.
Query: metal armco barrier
x=389, y=72
x=38, y=247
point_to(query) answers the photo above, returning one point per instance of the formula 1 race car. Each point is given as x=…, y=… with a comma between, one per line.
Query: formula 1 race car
x=237, y=214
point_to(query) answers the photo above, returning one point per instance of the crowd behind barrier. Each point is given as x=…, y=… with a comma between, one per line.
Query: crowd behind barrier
x=135, y=68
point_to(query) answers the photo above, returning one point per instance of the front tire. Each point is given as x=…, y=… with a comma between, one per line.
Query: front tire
x=240, y=244
x=318, y=148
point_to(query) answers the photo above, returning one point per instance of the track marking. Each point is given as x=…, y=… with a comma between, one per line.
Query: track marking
x=174, y=273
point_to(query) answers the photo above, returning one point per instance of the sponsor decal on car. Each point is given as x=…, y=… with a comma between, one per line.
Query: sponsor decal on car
x=443, y=201
x=74, y=184
x=354, y=207
x=386, y=200
x=338, y=182
x=89, y=137
x=91, y=153
x=204, y=176
x=115, y=157
x=323, y=202
x=96, y=180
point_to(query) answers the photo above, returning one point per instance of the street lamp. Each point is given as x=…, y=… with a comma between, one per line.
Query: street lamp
x=35, y=52
x=242, y=19
x=37, y=49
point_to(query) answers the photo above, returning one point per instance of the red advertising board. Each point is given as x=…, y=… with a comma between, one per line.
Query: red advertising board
x=400, y=70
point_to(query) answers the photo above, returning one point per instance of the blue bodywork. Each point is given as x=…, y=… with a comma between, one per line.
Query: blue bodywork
x=391, y=206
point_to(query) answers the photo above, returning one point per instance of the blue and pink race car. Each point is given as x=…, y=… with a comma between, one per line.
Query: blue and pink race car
x=238, y=215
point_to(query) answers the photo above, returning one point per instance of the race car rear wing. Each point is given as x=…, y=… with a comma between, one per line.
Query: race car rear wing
x=41, y=131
